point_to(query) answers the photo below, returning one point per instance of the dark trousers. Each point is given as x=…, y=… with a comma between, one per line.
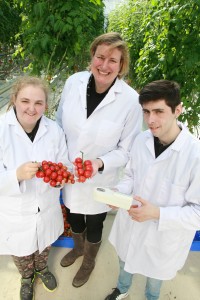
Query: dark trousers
x=26, y=265
x=93, y=224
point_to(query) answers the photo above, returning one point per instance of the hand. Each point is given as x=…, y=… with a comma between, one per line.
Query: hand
x=27, y=170
x=147, y=211
x=96, y=164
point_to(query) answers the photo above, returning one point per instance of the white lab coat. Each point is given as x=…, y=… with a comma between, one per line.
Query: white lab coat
x=23, y=229
x=108, y=134
x=158, y=249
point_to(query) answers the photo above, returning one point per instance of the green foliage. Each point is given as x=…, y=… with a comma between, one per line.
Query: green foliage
x=164, y=41
x=10, y=21
x=56, y=34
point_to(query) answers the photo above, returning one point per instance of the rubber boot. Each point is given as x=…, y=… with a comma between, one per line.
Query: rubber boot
x=83, y=274
x=78, y=250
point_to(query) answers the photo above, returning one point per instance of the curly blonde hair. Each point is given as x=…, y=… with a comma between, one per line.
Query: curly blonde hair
x=24, y=81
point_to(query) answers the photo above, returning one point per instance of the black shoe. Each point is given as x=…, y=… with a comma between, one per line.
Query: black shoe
x=116, y=295
x=48, y=279
x=26, y=291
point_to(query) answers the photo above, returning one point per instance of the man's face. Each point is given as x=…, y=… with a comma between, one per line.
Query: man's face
x=160, y=119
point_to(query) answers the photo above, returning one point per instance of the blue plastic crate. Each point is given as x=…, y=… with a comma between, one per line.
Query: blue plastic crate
x=196, y=242
x=63, y=241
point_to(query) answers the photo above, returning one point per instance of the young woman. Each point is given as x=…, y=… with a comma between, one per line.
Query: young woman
x=101, y=116
x=30, y=212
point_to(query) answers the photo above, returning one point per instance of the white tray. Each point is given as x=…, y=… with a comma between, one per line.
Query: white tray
x=111, y=197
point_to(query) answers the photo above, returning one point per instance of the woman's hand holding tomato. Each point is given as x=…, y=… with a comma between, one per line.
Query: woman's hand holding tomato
x=27, y=170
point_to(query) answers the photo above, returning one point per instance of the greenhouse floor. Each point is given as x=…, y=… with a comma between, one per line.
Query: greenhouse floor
x=186, y=285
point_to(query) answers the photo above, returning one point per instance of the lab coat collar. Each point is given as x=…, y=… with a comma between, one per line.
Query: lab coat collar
x=110, y=97
x=176, y=145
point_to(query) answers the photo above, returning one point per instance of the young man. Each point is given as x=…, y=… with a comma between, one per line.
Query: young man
x=154, y=237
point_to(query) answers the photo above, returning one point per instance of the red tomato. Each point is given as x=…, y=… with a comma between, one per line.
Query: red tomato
x=52, y=183
x=45, y=167
x=54, y=175
x=48, y=172
x=80, y=171
x=87, y=162
x=89, y=168
x=87, y=174
x=65, y=174
x=46, y=179
x=44, y=162
x=59, y=178
x=78, y=160
x=37, y=174
x=40, y=174
x=81, y=178
x=60, y=165
x=79, y=166
x=60, y=172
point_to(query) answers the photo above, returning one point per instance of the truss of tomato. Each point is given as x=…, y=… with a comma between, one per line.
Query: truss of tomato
x=54, y=173
x=84, y=169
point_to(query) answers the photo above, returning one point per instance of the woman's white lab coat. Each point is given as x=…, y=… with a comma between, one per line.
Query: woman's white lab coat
x=108, y=134
x=158, y=249
x=23, y=229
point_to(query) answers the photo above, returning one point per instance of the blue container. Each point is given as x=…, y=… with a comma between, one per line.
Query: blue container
x=63, y=241
x=196, y=242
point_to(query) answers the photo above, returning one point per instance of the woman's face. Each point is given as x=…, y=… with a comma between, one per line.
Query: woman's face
x=105, y=66
x=30, y=105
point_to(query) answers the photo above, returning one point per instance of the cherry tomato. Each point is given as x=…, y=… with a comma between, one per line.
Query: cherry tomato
x=80, y=171
x=59, y=178
x=54, y=175
x=53, y=183
x=48, y=172
x=79, y=165
x=89, y=168
x=78, y=160
x=46, y=179
x=87, y=162
x=40, y=174
x=81, y=179
x=87, y=174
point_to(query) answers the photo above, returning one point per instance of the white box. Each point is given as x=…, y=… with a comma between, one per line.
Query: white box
x=111, y=197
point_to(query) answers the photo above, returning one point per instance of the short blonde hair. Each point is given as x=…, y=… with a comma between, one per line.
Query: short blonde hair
x=24, y=81
x=114, y=40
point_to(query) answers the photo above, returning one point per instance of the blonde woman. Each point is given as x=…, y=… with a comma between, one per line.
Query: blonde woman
x=30, y=212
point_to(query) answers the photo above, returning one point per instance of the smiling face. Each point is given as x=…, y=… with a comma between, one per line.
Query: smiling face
x=30, y=104
x=161, y=120
x=105, y=66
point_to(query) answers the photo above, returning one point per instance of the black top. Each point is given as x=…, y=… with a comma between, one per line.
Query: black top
x=31, y=134
x=94, y=98
x=159, y=148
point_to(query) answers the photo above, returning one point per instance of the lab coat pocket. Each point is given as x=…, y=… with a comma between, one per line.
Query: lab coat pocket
x=108, y=134
x=171, y=194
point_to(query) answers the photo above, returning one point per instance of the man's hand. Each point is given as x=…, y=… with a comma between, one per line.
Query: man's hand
x=147, y=211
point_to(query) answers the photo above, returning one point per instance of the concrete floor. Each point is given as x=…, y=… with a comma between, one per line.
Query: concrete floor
x=186, y=285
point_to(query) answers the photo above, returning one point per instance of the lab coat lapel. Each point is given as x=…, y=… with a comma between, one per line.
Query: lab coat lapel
x=41, y=130
x=110, y=97
x=83, y=92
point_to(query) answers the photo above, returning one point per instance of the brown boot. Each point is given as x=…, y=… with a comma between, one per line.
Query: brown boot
x=90, y=253
x=78, y=250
